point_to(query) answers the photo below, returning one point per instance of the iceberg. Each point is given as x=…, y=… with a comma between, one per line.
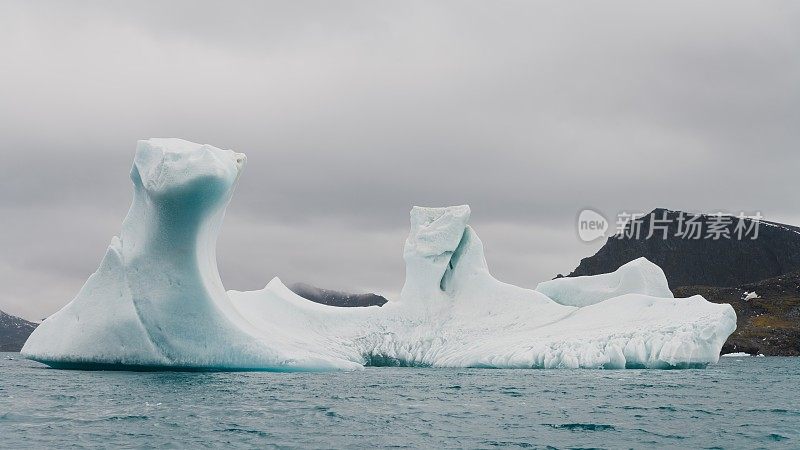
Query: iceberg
x=639, y=276
x=157, y=301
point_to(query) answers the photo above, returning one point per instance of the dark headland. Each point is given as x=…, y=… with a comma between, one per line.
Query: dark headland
x=759, y=277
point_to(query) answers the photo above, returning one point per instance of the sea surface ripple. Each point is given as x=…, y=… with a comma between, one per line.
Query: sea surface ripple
x=742, y=402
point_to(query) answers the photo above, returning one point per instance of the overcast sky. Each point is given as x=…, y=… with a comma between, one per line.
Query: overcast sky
x=352, y=112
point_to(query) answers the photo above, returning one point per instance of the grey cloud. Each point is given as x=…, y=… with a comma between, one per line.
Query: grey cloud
x=351, y=112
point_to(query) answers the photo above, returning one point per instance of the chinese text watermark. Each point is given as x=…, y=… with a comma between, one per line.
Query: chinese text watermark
x=663, y=224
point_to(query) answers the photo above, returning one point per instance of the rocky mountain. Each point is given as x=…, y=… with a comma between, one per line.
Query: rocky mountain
x=755, y=267
x=723, y=255
x=14, y=331
x=336, y=298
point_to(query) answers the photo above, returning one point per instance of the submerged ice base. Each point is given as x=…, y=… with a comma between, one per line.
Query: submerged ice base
x=157, y=301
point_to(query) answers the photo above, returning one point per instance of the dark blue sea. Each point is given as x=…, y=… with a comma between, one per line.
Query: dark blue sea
x=742, y=402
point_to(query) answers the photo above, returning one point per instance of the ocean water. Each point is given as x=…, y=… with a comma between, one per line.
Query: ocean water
x=742, y=402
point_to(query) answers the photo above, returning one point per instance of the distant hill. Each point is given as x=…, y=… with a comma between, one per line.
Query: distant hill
x=722, y=270
x=724, y=262
x=14, y=331
x=336, y=298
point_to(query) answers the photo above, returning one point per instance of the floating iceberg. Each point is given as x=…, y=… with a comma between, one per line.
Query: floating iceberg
x=157, y=301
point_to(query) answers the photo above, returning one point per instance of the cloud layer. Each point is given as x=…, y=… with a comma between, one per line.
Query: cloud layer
x=351, y=112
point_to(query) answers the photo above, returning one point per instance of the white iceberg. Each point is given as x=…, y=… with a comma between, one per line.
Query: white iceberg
x=157, y=300
x=639, y=276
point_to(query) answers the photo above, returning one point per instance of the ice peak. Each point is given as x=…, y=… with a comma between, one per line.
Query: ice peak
x=435, y=231
x=168, y=164
x=439, y=245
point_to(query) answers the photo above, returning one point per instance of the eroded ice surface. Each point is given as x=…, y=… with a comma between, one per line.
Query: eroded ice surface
x=157, y=300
